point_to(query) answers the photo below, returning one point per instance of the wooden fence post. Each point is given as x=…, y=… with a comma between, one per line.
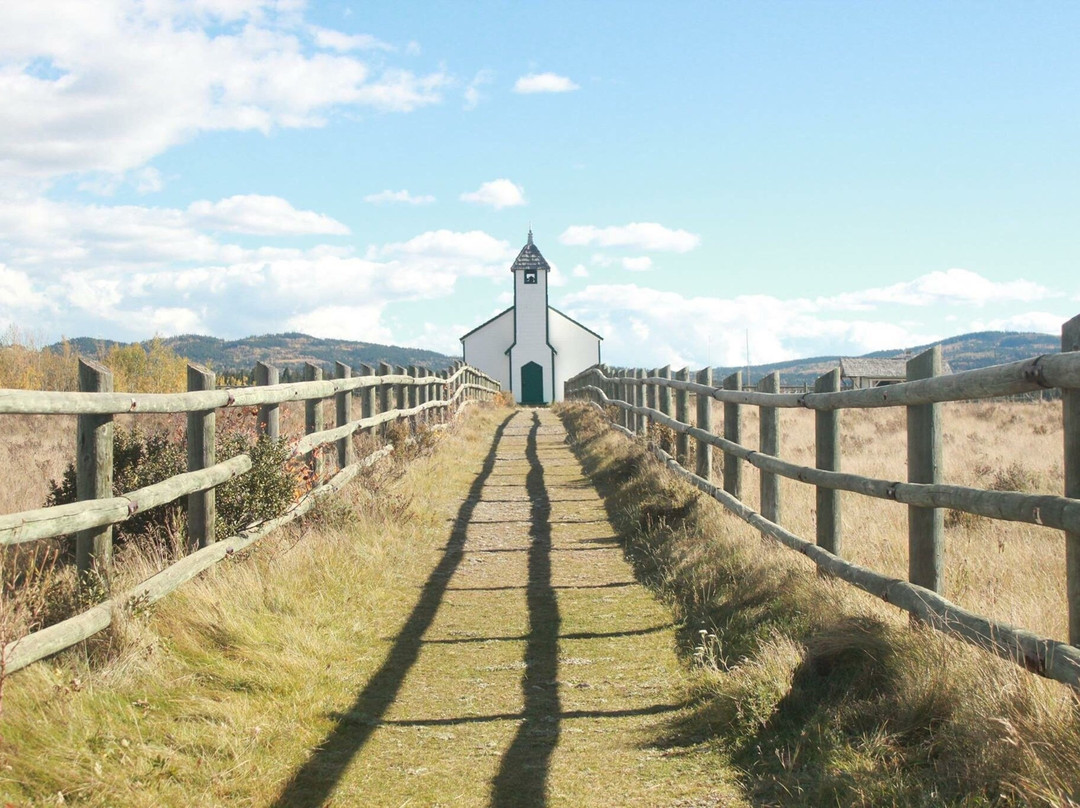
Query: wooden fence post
x=384, y=397
x=444, y=394
x=664, y=394
x=639, y=401
x=769, y=443
x=626, y=393
x=926, y=526
x=401, y=392
x=269, y=414
x=682, y=415
x=704, y=422
x=1070, y=411
x=422, y=396
x=733, y=432
x=827, y=443
x=367, y=394
x=313, y=421
x=412, y=394
x=650, y=396
x=343, y=407
x=201, y=454
x=94, y=469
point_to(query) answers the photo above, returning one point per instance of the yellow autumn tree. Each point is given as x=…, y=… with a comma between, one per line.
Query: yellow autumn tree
x=155, y=368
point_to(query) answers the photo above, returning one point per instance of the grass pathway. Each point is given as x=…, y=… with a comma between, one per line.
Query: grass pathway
x=533, y=670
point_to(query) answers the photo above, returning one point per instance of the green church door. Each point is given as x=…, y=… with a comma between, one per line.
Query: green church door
x=532, y=383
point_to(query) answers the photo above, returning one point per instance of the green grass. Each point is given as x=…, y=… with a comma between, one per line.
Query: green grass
x=818, y=693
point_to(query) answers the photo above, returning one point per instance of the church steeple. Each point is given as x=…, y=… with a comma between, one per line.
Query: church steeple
x=530, y=258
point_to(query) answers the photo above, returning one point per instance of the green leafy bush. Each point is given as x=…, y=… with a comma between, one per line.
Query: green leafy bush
x=141, y=459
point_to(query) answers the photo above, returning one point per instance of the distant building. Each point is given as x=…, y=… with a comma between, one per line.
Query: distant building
x=875, y=372
x=531, y=348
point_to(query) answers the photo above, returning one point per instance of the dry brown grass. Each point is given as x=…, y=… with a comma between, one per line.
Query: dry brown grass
x=1009, y=571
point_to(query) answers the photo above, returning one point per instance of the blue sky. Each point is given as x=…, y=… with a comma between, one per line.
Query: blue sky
x=823, y=177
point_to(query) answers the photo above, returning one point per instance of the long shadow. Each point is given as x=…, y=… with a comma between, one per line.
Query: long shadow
x=523, y=772
x=577, y=635
x=312, y=783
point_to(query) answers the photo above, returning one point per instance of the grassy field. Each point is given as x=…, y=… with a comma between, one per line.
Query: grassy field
x=1009, y=571
x=824, y=695
x=803, y=691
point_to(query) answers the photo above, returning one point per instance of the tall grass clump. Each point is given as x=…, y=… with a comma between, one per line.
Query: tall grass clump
x=817, y=692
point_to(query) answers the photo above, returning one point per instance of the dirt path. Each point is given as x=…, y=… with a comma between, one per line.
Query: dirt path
x=533, y=670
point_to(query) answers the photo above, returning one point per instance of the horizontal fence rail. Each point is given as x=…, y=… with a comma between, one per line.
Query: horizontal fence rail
x=386, y=395
x=644, y=398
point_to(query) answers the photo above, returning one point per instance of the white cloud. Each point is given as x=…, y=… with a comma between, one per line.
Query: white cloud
x=948, y=286
x=637, y=235
x=580, y=271
x=474, y=244
x=17, y=293
x=262, y=215
x=399, y=196
x=642, y=264
x=696, y=329
x=338, y=41
x=344, y=322
x=645, y=326
x=473, y=96
x=544, y=83
x=1041, y=322
x=148, y=180
x=499, y=194
x=107, y=86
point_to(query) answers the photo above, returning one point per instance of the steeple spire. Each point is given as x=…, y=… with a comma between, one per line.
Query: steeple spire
x=530, y=234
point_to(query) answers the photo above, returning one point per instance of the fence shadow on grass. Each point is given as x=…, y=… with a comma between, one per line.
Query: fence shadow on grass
x=523, y=772
x=313, y=782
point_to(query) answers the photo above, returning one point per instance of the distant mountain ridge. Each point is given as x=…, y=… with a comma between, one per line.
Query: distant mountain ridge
x=290, y=350
x=964, y=352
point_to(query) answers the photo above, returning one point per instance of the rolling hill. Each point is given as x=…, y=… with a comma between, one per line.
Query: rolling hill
x=963, y=352
x=286, y=351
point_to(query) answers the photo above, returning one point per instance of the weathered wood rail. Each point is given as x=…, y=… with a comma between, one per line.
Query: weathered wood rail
x=644, y=397
x=385, y=394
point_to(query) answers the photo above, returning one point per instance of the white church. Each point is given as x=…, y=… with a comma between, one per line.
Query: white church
x=531, y=348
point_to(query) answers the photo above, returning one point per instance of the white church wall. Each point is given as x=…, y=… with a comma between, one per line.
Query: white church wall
x=576, y=348
x=486, y=347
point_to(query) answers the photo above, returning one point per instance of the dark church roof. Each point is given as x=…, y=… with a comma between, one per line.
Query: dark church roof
x=529, y=258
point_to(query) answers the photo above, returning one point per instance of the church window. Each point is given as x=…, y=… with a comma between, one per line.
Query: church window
x=530, y=276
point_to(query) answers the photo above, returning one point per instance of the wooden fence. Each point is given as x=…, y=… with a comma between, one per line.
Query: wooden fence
x=385, y=394
x=645, y=397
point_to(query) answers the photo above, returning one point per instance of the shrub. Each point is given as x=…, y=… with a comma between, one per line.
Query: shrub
x=140, y=460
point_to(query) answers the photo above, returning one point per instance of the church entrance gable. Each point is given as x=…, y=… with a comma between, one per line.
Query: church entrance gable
x=532, y=383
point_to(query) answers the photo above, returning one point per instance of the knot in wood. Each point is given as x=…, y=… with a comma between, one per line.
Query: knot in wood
x=1035, y=664
x=890, y=492
x=1033, y=373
